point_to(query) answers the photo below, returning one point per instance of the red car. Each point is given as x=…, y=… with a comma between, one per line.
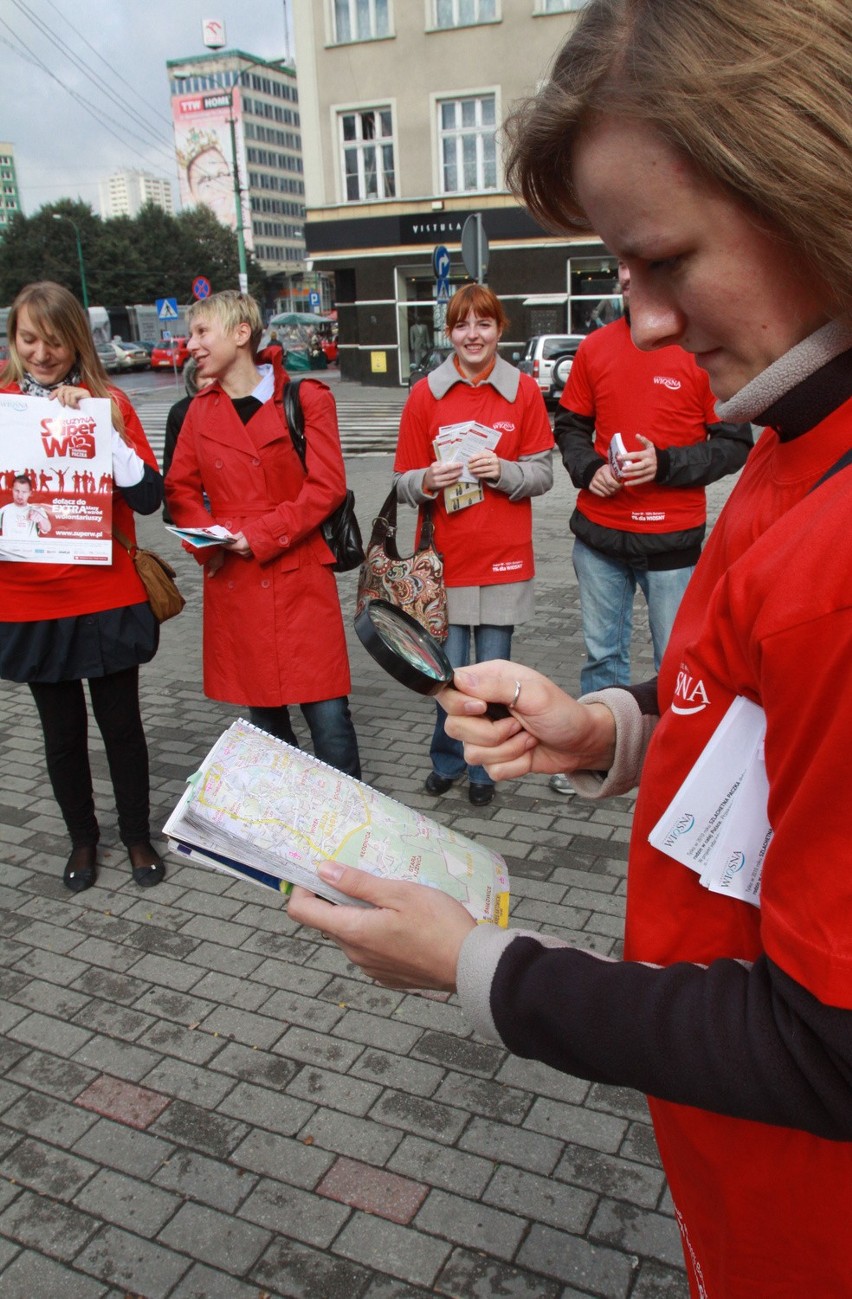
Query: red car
x=170, y=354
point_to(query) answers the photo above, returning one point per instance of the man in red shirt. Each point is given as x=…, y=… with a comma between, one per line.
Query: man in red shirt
x=640, y=518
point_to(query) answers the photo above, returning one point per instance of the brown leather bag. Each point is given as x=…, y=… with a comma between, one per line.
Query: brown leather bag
x=157, y=577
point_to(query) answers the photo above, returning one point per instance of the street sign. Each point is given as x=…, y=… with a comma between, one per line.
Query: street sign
x=167, y=308
x=200, y=288
x=441, y=263
x=443, y=292
x=474, y=248
x=314, y=300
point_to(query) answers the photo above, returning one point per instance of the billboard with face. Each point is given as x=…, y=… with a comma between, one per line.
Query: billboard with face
x=204, y=139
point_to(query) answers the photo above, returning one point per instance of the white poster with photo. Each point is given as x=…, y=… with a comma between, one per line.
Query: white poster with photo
x=55, y=481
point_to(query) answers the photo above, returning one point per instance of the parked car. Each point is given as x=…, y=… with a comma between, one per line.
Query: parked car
x=540, y=354
x=107, y=357
x=561, y=369
x=129, y=356
x=432, y=360
x=169, y=354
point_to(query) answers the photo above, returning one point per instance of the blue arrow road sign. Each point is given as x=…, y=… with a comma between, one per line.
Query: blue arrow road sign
x=167, y=308
x=441, y=263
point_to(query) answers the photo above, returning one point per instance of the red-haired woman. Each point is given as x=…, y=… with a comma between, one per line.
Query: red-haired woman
x=487, y=546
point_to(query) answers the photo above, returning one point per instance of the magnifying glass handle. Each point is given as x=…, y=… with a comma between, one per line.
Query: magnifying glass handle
x=496, y=711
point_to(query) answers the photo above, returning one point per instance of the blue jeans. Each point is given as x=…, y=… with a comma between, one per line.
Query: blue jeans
x=330, y=724
x=489, y=643
x=607, y=588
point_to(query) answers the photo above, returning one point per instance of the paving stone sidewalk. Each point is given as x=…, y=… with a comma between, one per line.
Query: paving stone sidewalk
x=200, y=1101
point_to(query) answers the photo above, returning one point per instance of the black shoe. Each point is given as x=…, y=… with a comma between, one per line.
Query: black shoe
x=479, y=795
x=436, y=784
x=147, y=865
x=80, y=870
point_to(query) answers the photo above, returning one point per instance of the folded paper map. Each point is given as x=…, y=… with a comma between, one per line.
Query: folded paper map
x=260, y=809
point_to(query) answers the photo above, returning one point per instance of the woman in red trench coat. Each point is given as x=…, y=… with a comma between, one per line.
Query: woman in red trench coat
x=273, y=630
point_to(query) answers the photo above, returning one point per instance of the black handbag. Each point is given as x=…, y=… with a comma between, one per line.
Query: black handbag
x=340, y=530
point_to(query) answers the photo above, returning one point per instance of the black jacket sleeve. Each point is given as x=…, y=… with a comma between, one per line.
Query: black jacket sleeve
x=724, y=451
x=745, y=1041
x=146, y=496
x=575, y=437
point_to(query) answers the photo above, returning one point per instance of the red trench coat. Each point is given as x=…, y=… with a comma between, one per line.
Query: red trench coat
x=273, y=630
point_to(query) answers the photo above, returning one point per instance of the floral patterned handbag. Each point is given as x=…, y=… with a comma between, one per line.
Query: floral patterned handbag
x=414, y=584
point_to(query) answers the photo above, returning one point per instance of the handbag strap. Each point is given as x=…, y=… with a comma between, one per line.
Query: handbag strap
x=385, y=527
x=295, y=418
x=123, y=541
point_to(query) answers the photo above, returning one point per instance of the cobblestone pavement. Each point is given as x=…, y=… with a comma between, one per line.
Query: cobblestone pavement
x=199, y=1101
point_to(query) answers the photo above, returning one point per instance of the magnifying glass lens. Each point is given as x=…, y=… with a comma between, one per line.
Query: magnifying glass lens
x=415, y=645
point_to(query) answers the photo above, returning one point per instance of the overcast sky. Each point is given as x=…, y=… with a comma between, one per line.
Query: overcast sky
x=85, y=90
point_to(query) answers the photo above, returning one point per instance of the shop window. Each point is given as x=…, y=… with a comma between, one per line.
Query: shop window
x=360, y=20
x=464, y=13
x=595, y=297
x=367, y=153
x=468, y=144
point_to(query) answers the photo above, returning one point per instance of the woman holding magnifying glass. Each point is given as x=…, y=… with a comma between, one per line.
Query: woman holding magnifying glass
x=487, y=546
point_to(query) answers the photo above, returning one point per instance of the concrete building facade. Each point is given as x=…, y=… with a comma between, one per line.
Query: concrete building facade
x=402, y=102
x=10, y=199
x=126, y=192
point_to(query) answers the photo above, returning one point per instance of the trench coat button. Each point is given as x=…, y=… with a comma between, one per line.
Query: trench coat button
x=266, y=582
x=284, y=541
x=218, y=464
x=230, y=586
x=255, y=461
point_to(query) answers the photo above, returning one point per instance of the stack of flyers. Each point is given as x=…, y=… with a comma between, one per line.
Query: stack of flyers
x=458, y=442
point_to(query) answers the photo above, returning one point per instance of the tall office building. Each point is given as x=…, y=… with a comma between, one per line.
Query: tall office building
x=10, y=200
x=402, y=105
x=125, y=192
x=228, y=106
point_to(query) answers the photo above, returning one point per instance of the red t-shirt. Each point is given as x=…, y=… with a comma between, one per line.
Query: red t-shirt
x=768, y=615
x=31, y=592
x=491, y=542
x=664, y=396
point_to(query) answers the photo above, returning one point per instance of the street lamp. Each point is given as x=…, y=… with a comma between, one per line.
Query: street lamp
x=60, y=216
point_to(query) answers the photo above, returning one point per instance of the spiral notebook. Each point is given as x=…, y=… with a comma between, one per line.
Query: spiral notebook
x=261, y=810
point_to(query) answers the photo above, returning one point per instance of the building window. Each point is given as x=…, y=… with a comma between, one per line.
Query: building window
x=361, y=20
x=368, y=154
x=464, y=13
x=468, y=144
x=560, y=6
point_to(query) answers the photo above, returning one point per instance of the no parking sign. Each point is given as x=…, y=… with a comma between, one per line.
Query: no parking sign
x=201, y=288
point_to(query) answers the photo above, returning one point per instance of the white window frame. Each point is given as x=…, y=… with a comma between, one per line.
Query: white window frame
x=353, y=7
x=559, y=6
x=339, y=111
x=434, y=8
x=440, y=135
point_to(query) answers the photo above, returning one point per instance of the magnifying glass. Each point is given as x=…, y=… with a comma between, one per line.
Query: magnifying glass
x=407, y=652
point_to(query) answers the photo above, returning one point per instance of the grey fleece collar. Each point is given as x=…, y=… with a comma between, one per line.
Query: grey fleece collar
x=785, y=373
x=504, y=377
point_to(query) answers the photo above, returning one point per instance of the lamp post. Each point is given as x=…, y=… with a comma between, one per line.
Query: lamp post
x=60, y=216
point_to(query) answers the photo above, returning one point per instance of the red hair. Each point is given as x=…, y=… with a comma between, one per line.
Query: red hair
x=478, y=299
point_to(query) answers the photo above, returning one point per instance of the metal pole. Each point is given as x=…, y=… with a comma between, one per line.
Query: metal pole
x=60, y=216
x=238, y=197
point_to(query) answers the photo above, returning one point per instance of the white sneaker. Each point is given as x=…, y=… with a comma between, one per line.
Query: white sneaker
x=561, y=784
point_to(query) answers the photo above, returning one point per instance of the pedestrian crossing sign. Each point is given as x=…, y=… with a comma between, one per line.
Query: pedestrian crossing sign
x=167, y=308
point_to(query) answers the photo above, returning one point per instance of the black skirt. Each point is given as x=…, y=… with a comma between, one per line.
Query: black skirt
x=88, y=645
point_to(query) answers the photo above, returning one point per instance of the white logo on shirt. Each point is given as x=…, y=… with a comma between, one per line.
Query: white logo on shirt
x=673, y=384
x=505, y=424
x=692, y=694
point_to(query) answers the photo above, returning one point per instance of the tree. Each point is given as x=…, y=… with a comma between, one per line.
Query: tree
x=127, y=259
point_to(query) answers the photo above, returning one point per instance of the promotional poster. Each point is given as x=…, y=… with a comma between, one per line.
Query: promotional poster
x=55, y=481
x=204, y=145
